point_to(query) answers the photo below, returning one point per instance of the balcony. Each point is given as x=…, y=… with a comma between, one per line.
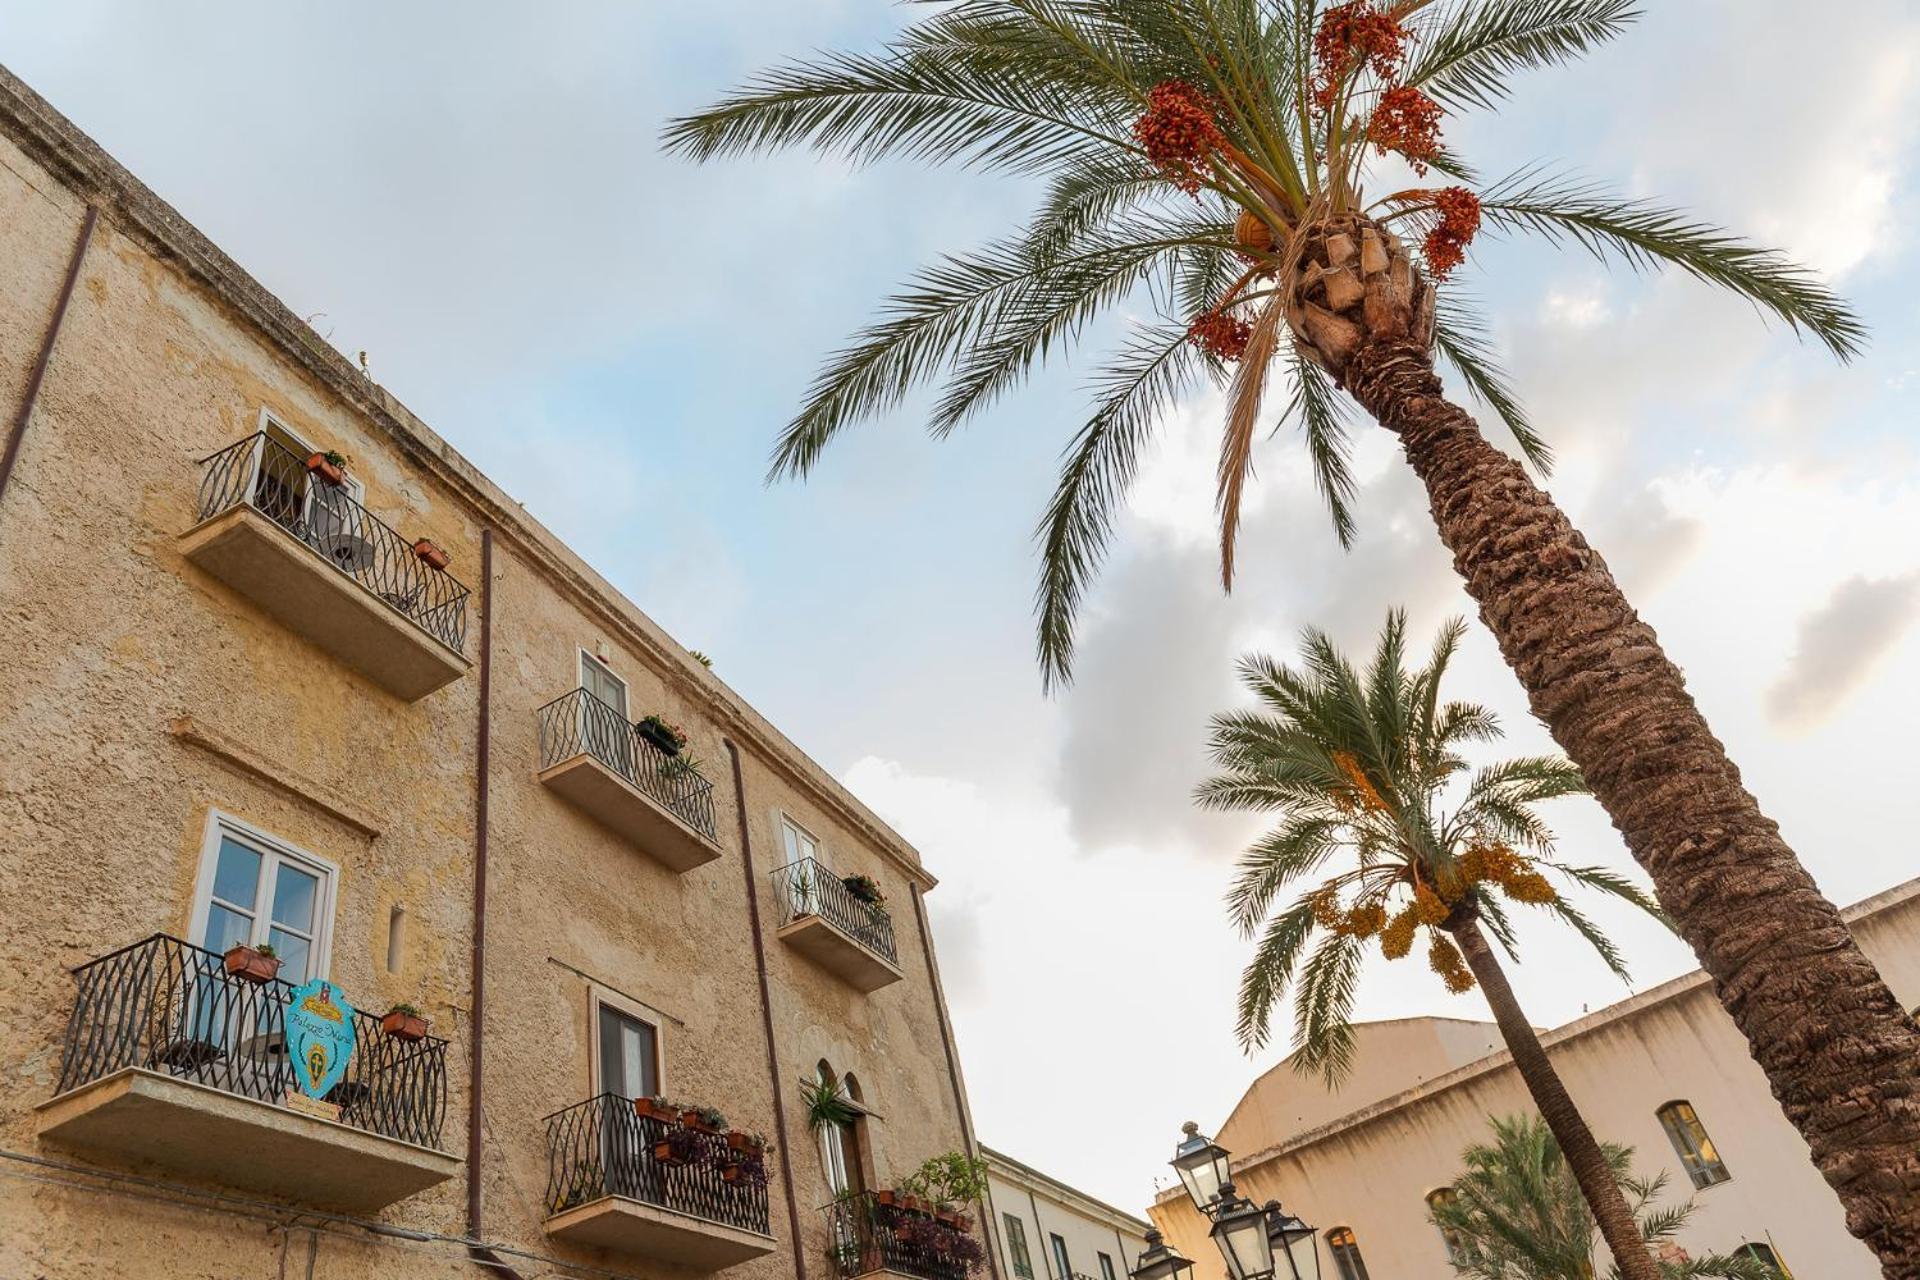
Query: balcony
x=170, y=1062
x=867, y=1237
x=590, y=754
x=607, y=1187
x=306, y=552
x=822, y=919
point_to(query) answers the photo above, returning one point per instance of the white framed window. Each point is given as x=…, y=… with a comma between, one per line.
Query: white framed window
x=254, y=887
x=597, y=678
x=1691, y=1143
x=627, y=1054
x=797, y=840
x=283, y=489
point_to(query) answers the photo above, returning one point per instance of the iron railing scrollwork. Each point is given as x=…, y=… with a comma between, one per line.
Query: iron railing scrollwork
x=261, y=473
x=864, y=1235
x=603, y=1147
x=578, y=723
x=809, y=888
x=168, y=1006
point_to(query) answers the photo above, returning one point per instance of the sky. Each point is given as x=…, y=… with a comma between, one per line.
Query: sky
x=616, y=335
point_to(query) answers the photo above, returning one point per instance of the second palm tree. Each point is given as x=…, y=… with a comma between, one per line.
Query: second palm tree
x=1356, y=767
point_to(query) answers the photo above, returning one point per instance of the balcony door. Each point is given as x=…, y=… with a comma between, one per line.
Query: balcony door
x=605, y=729
x=629, y=1068
x=285, y=491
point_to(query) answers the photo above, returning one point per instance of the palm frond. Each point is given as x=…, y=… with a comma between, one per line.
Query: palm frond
x=1323, y=1009
x=1644, y=234
x=1151, y=371
x=1269, y=973
x=1468, y=51
x=1324, y=426
x=1460, y=336
x=1243, y=415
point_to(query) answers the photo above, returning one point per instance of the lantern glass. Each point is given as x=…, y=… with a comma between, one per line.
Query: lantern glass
x=1161, y=1261
x=1297, y=1241
x=1240, y=1229
x=1202, y=1165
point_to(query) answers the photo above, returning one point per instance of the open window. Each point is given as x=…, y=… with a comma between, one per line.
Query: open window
x=1691, y=1143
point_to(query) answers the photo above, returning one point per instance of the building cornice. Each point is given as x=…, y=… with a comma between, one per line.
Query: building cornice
x=1079, y=1201
x=1900, y=895
x=76, y=160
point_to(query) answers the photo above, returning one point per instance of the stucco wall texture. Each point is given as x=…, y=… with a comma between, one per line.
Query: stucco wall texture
x=1370, y=1166
x=108, y=636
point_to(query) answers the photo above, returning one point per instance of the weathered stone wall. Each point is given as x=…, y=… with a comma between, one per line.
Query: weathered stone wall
x=109, y=638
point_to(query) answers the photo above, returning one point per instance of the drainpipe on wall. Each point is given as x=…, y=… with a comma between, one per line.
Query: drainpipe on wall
x=985, y=1204
x=18, y=431
x=481, y=790
x=766, y=1008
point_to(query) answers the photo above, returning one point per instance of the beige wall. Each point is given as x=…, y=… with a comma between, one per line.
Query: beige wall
x=108, y=637
x=1371, y=1169
x=1044, y=1207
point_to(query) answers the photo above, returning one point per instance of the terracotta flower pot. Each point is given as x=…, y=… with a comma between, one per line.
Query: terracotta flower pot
x=317, y=463
x=404, y=1026
x=248, y=965
x=693, y=1121
x=887, y=1198
x=655, y=1111
x=664, y=1153
x=434, y=555
x=743, y=1143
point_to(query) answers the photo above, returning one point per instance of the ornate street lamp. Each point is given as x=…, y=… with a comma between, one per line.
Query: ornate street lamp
x=1240, y=1229
x=1161, y=1261
x=1202, y=1165
x=1294, y=1239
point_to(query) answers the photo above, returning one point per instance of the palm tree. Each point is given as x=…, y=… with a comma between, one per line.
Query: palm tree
x=1207, y=163
x=1355, y=769
x=1516, y=1214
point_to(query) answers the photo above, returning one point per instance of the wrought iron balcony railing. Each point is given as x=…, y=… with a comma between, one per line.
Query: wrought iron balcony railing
x=603, y=1147
x=168, y=1006
x=578, y=723
x=809, y=888
x=261, y=473
x=864, y=1235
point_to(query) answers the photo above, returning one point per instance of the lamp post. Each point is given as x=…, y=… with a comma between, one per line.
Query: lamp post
x=1293, y=1238
x=1202, y=1165
x=1240, y=1230
x=1161, y=1261
x=1251, y=1238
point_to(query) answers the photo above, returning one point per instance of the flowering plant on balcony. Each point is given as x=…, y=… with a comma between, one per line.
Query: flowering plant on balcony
x=863, y=889
x=679, y=1146
x=706, y=1119
x=663, y=734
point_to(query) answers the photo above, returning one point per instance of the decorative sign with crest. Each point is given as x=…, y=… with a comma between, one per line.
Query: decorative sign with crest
x=320, y=1036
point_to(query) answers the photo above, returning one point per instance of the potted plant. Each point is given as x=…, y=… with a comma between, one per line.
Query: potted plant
x=670, y=738
x=253, y=964
x=330, y=466
x=886, y=1197
x=863, y=889
x=707, y=1120
x=432, y=552
x=753, y=1144
x=964, y=1248
x=747, y=1168
x=657, y=1108
x=677, y=1146
x=404, y=1022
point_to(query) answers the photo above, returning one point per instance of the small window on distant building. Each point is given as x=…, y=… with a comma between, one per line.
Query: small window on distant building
x=1106, y=1268
x=1438, y=1199
x=1017, y=1246
x=1062, y=1268
x=1346, y=1254
x=1764, y=1255
x=1691, y=1143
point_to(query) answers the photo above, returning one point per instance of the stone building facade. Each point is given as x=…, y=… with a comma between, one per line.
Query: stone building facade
x=242, y=700
x=1665, y=1073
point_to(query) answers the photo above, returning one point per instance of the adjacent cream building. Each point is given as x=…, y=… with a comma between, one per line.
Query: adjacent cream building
x=1043, y=1229
x=1665, y=1073
x=387, y=723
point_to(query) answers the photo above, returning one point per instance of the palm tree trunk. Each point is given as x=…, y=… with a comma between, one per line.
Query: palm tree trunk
x=1841, y=1055
x=1577, y=1143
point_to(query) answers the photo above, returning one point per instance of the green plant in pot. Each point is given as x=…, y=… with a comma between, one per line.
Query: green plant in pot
x=863, y=889
x=827, y=1106
x=404, y=1022
x=669, y=737
x=252, y=964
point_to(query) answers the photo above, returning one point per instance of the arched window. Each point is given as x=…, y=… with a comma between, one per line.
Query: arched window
x=840, y=1144
x=1346, y=1254
x=1438, y=1199
x=1691, y=1144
